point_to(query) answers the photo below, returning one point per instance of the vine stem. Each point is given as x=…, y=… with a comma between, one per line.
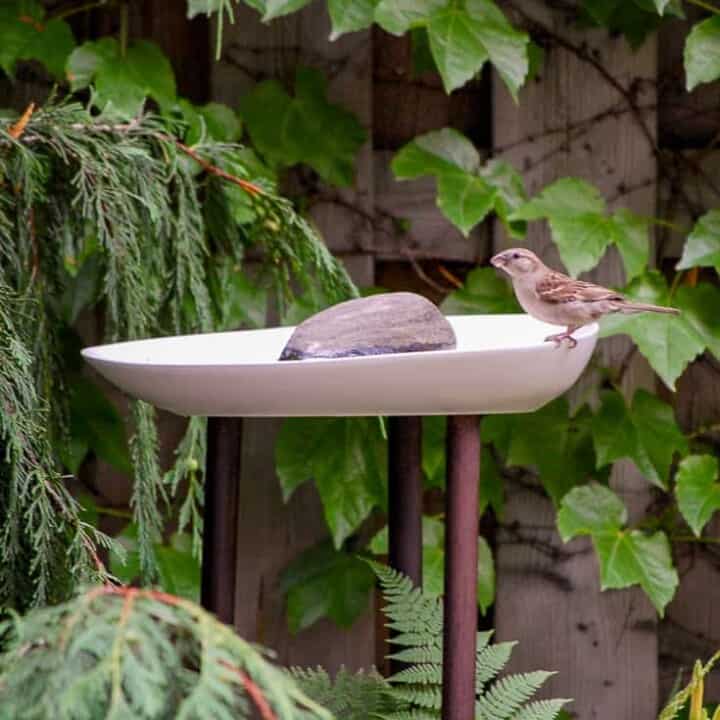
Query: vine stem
x=705, y=6
x=693, y=539
x=84, y=7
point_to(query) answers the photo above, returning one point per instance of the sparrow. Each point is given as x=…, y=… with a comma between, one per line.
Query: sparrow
x=557, y=299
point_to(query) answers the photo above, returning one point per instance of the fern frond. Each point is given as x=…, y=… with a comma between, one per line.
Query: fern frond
x=508, y=694
x=541, y=710
x=490, y=661
x=420, y=674
x=421, y=696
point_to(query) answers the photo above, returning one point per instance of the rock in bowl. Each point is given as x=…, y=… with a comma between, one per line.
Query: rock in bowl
x=376, y=325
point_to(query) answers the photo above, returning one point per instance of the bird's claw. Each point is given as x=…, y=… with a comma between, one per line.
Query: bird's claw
x=558, y=339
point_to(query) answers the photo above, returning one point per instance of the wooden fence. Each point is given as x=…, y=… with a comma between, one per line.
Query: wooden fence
x=597, y=110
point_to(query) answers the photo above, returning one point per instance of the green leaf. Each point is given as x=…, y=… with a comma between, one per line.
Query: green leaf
x=576, y=213
x=25, y=35
x=631, y=237
x=350, y=15
x=627, y=557
x=698, y=490
x=467, y=192
x=95, y=424
x=702, y=248
x=462, y=38
x=646, y=432
x=305, y=128
x=590, y=510
x=702, y=53
x=347, y=459
x=278, y=8
x=483, y=292
x=203, y=7
x=325, y=582
x=699, y=307
x=121, y=84
x=399, y=16
x=524, y=439
x=668, y=342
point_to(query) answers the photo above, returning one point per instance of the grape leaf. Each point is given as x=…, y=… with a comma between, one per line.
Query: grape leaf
x=121, y=84
x=399, y=16
x=583, y=230
x=347, y=459
x=350, y=15
x=698, y=490
x=483, y=292
x=702, y=248
x=26, y=35
x=702, y=53
x=627, y=557
x=699, y=307
x=305, y=128
x=669, y=342
x=467, y=192
x=523, y=440
x=463, y=37
x=646, y=432
x=325, y=582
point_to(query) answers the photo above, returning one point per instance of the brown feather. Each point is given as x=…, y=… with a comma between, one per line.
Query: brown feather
x=558, y=288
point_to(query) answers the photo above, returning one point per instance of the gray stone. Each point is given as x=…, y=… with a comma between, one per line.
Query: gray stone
x=374, y=325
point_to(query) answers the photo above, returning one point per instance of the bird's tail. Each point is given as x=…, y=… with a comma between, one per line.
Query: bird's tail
x=633, y=307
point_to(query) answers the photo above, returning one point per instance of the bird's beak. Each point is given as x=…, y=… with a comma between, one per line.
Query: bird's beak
x=499, y=260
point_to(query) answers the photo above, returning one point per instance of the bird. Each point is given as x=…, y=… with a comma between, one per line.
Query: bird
x=557, y=299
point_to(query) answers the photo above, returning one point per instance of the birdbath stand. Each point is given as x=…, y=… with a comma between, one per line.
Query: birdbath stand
x=501, y=364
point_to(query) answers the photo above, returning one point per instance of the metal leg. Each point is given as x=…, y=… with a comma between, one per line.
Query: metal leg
x=219, y=560
x=405, y=496
x=461, y=533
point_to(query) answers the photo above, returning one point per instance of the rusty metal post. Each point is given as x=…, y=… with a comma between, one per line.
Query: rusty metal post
x=219, y=558
x=461, y=572
x=405, y=496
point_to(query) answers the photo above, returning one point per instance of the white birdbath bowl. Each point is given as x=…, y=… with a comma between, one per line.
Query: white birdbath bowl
x=501, y=364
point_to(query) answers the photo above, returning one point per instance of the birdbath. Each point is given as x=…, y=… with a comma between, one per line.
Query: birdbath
x=501, y=364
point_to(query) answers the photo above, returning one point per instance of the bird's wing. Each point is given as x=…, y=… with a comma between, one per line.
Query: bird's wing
x=559, y=288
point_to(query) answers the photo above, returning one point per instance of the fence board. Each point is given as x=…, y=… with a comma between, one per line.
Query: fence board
x=572, y=121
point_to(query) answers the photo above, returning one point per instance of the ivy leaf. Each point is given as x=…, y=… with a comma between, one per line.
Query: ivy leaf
x=702, y=53
x=25, y=35
x=350, y=15
x=467, y=192
x=627, y=557
x=347, y=459
x=121, y=84
x=646, y=432
x=305, y=128
x=462, y=38
x=510, y=193
x=668, y=342
x=399, y=16
x=483, y=292
x=325, y=582
x=698, y=490
x=702, y=248
x=523, y=440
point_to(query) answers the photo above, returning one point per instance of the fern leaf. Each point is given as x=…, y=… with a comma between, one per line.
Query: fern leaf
x=424, y=697
x=490, y=661
x=507, y=695
x=422, y=654
x=541, y=710
x=426, y=674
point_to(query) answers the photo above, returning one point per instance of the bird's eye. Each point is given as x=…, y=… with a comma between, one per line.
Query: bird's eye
x=516, y=256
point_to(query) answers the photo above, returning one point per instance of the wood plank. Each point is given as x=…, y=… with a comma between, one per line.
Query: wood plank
x=571, y=121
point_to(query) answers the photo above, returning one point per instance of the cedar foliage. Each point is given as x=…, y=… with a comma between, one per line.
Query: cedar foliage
x=126, y=218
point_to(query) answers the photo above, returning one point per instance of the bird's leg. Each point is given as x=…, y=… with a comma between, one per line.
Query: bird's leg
x=567, y=335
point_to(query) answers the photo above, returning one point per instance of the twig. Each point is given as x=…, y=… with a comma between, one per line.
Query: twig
x=705, y=6
x=450, y=277
x=83, y=7
x=16, y=130
x=252, y=690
